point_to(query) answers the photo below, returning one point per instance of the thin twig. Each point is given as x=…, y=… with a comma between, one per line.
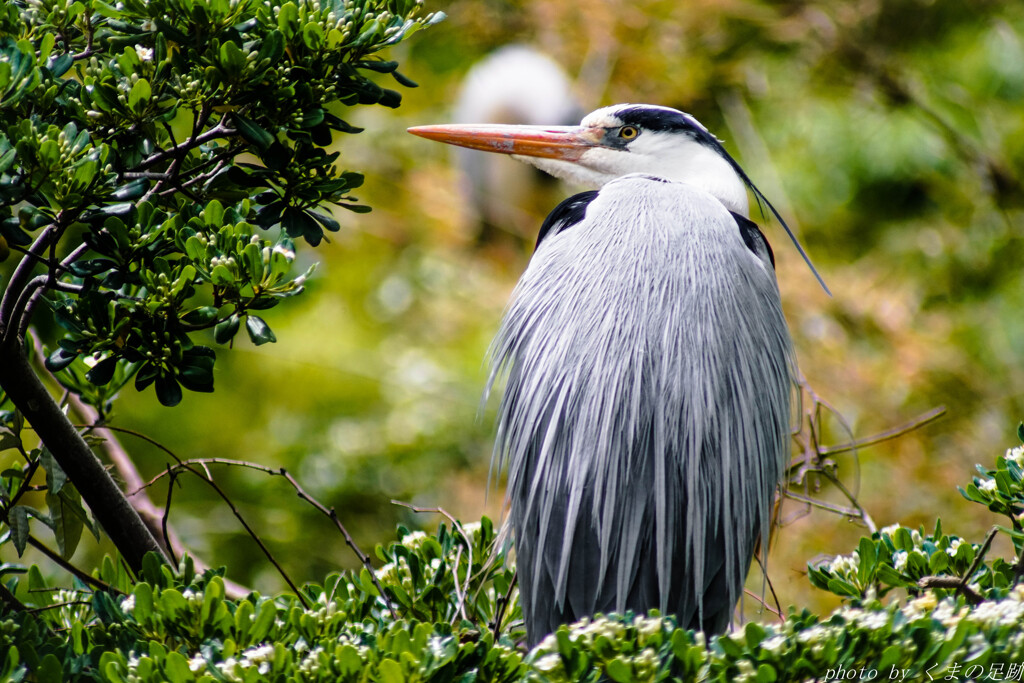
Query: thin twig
x=70, y=568
x=950, y=582
x=330, y=513
x=830, y=507
x=960, y=583
x=165, y=517
x=887, y=435
x=462, y=532
x=56, y=605
x=10, y=601
x=333, y=516
x=861, y=512
x=771, y=588
x=252, y=534
x=503, y=602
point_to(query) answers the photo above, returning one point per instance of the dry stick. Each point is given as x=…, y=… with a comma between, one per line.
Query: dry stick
x=771, y=587
x=333, y=515
x=502, y=605
x=10, y=601
x=166, y=516
x=153, y=516
x=916, y=423
x=959, y=583
x=234, y=510
x=58, y=605
x=281, y=472
x=830, y=507
x=252, y=534
x=70, y=568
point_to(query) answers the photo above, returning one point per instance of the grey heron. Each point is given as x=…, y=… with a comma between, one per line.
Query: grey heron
x=645, y=417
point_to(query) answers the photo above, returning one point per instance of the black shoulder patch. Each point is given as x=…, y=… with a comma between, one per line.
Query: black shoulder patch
x=753, y=237
x=567, y=214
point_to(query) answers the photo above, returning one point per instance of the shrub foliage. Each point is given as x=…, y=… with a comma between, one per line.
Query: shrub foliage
x=917, y=606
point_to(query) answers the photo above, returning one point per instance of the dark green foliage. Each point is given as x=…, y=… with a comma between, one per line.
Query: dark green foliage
x=446, y=619
x=123, y=139
x=180, y=626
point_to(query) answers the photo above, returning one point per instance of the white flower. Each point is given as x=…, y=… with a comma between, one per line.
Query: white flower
x=899, y=560
x=953, y=545
x=261, y=656
x=891, y=529
x=987, y=485
x=1016, y=455
x=548, y=663
x=919, y=608
x=414, y=539
x=284, y=251
x=775, y=644
x=946, y=613
x=144, y=53
x=128, y=604
x=845, y=564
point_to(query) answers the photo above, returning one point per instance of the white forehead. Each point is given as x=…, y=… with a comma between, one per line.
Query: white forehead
x=608, y=117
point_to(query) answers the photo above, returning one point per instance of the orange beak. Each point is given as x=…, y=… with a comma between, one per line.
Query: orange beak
x=550, y=142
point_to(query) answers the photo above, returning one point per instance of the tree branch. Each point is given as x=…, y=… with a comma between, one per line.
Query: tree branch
x=106, y=500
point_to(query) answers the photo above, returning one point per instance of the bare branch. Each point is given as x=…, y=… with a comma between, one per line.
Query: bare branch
x=918, y=422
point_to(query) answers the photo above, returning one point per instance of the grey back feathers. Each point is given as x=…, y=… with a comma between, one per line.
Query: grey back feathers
x=645, y=417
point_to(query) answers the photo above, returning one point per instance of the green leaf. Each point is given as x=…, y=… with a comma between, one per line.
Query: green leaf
x=259, y=332
x=288, y=19
x=252, y=133
x=226, y=329
x=168, y=392
x=139, y=95
x=232, y=60
x=55, y=477
x=313, y=36
x=143, y=601
x=145, y=376
x=390, y=671
x=50, y=670
x=222, y=275
x=264, y=621
x=68, y=517
x=58, y=360
x=407, y=82
x=7, y=159
x=843, y=588
x=866, y=551
x=204, y=315
x=102, y=372
x=619, y=670
x=272, y=47
x=938, y=562
x=17, y=519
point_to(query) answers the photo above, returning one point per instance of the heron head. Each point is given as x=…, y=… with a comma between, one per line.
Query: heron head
x=619, y=140
x=610, y=143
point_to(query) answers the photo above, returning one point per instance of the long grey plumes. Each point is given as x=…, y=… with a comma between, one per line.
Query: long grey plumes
x=646, y=411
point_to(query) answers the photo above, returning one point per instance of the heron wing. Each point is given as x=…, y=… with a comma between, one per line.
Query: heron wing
x=646, y=412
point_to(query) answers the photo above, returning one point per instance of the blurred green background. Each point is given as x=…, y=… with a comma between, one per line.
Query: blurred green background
x=889, y=133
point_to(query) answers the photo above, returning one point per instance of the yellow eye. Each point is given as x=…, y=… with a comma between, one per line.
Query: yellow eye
x=628, y=132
